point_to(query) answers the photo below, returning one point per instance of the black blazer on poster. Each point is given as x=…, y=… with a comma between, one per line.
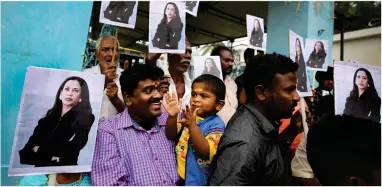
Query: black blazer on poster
x=257, y=38
x=168, y=34
x=119, y=11
x=62, y=137
x=368, y=106
x=190, y=5
x=301, y=75
x=316, y=60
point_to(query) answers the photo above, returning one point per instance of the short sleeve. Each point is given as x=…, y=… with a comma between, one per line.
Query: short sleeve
x=215, y=132
x=213, y=141
x=300, y=165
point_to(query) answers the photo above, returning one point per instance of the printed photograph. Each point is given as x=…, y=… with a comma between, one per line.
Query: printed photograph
x=57, y=122
x=296, y=53
x=192, y=7
x=317, y=54
x=119, y=13
x=207, y=65
x=357, y=90
x=167, y=27
x=255, y=33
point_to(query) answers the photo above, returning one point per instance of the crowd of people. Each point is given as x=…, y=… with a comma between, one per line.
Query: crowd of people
x=158, y=127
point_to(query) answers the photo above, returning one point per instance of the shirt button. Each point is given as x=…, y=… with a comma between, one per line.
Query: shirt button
x=156, y=158
x=164, y=182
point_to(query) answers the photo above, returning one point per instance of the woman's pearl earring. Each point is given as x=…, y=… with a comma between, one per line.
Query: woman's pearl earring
x=80, y=100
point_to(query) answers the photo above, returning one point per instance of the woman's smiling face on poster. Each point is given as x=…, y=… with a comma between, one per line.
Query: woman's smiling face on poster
x=71, y=93
x=170, y=11
x=361, y=80
x=209, y=63
x=317, y=47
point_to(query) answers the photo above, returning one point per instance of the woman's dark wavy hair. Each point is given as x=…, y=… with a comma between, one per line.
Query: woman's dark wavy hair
x=321, y=53
x=84, y=105
x=354, y=93
x=301, y=55
x=259, y=29
x=213, y=62
x=177, y=17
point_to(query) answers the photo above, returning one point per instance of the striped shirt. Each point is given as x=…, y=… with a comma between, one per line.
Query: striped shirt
x=128, y=155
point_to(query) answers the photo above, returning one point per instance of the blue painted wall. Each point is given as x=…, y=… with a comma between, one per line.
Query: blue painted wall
x=45, y=34
x=306, y=23
x=281, y=18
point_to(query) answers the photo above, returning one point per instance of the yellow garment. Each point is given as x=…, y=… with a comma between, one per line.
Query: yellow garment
x=182, y=147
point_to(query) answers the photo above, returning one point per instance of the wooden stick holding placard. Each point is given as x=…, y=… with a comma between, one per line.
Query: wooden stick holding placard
x=52, y=178
x=303, y=116
x=313, y=79
x=115, y=45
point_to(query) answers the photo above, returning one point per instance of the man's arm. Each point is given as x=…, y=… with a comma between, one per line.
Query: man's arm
x=235, y=165
x=112, y=93
x=199, y=142
x=118, y=104
x=151, y=58
x=108, y=168
x=232, y=96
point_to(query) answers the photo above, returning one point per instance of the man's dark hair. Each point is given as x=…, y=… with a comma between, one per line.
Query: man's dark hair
x=218, y=49
x=216, y=85
x=343, y=146
x=261, y=69
x=130, y=78
x=248, y=53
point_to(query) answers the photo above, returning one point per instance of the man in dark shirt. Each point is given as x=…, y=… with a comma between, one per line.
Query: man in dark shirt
x=251, y=151
x=322, y=101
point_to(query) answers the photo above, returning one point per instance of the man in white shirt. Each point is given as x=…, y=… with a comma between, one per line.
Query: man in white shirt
x=231, y=103
x=112, y=102
x=176, y=72
x=301, y=169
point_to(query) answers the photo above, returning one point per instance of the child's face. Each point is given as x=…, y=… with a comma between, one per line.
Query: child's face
x=204, y=99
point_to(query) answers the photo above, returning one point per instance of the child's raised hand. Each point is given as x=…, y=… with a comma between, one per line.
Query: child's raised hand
x=172, y=107
x=189, y=117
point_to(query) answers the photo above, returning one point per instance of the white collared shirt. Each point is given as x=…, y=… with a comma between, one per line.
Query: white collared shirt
x=300, y=165
x=231, y=102
x=107, y=108
x=172, y=88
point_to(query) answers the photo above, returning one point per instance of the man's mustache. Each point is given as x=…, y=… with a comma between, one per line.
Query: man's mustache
x=154, y=100
x=185, y=62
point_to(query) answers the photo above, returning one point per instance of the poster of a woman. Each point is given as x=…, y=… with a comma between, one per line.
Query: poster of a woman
x=296, y=53
x=255, y=33
x=55, y=132
x=316, y=51
x=167, y=27
x=358, y=90
x=207, y=65
x=192, y=7
x=119, y=13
